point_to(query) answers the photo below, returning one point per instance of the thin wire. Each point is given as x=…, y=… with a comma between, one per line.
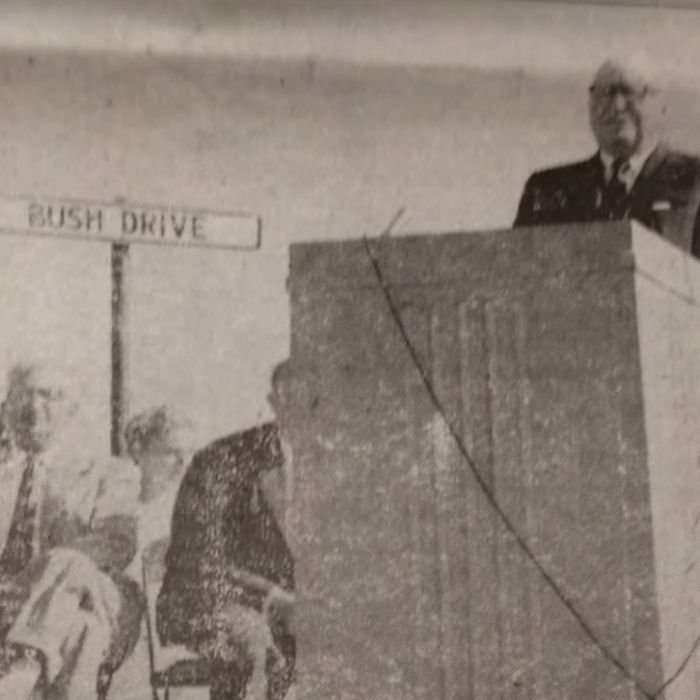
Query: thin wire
x=490, y=496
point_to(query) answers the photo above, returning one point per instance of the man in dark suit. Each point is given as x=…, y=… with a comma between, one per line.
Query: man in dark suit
x=229, y=578
x=632, y=176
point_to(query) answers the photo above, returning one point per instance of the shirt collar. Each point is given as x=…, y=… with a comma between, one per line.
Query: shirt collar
x=636, y=163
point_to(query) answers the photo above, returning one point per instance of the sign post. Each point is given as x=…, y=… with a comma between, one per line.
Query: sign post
x=121, y=223
x=119, y=399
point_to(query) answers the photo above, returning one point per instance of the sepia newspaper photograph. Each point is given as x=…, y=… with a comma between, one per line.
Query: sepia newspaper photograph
x=349, y=350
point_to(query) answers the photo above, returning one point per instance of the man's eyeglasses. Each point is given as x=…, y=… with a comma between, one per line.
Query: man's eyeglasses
x=610, y=92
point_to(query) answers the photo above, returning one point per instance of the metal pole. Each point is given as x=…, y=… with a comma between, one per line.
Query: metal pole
x=119, y=394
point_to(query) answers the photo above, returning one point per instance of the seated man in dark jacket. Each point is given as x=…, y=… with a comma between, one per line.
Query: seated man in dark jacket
x=229, y=572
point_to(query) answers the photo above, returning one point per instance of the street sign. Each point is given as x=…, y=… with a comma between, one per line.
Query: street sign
x=121, y=223
x=127, y=222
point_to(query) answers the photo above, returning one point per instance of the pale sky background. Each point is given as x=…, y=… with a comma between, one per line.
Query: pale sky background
x=545, y=36
x=323, y=118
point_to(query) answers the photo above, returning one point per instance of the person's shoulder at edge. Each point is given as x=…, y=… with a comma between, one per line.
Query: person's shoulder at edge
x=679, y=163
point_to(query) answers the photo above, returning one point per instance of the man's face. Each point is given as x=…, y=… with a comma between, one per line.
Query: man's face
x=618, y=111
x=31, y=408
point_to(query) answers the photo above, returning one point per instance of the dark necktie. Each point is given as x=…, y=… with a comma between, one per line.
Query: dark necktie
x=614, y=199
x=18, y=547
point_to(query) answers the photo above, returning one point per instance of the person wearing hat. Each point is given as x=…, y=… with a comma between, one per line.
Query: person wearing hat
x=633, y=174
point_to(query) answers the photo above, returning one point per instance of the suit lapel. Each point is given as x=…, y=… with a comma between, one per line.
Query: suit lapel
x=652, y=164
x=644, y=189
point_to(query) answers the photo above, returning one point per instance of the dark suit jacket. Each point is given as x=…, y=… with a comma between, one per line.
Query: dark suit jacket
x=221, y=518
x=665, y=196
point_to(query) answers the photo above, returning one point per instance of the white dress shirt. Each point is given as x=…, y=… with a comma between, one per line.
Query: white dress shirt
x=635, y=163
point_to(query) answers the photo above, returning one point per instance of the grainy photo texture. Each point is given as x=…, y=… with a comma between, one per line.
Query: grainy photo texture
x=349, y=351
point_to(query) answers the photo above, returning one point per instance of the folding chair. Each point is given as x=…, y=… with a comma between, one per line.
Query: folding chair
x=170, y=666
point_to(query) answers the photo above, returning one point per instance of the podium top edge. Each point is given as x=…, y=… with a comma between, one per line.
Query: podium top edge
x=500, y=257
x=450, y=258
x=621, y=228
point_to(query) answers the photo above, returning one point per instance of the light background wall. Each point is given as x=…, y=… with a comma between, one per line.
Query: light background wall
x=319, y=148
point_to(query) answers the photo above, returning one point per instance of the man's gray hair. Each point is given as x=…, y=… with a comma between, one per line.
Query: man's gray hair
x=634, y=71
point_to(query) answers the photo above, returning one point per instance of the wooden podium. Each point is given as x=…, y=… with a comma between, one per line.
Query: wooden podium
x=567, y=360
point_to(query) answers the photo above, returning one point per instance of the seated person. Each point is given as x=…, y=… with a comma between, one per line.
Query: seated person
x=229, y=572
x=160, y=442
x=68, y=614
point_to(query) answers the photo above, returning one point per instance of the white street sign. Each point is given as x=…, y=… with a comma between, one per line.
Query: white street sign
x=128, y=222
